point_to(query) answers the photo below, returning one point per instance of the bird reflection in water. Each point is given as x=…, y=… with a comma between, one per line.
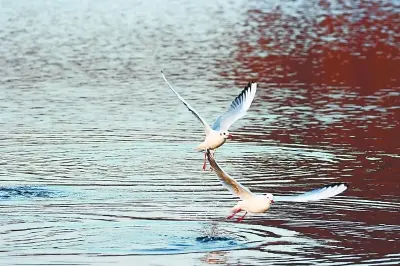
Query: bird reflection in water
x=216, y=257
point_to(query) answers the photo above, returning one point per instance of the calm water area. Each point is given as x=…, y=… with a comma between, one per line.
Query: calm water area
x=97, y=165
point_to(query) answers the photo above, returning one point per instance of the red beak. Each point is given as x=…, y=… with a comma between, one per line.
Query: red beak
x=230, y=136
x=272, y=201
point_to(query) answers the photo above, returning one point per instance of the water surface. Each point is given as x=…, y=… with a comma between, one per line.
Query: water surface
x=97, y=165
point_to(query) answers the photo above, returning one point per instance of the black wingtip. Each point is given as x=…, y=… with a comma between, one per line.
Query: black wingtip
x=248, y=86
x=336, y=185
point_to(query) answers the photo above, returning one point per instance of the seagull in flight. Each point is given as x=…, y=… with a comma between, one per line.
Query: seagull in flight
x=250, y=202
x=217, y=134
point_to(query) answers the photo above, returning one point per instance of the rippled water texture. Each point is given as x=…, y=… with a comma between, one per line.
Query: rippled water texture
x=97, y=165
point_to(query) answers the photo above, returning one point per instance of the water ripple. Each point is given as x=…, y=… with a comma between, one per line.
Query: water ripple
x=97, y=159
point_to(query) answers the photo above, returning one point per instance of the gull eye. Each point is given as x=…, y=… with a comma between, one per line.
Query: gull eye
x=224, y=133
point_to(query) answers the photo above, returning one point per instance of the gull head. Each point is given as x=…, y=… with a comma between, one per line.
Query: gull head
x=269, y=197
x=225, y=135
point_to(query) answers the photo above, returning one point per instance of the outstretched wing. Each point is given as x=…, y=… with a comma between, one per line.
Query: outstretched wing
x=207, y=128
x=316, y=194
x=229, y=182
x=237, y=109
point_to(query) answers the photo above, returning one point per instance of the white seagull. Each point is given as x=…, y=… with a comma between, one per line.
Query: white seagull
x=261, y=203
x=217, y=134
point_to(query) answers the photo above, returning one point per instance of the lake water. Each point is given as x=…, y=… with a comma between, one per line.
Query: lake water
x=97, y=165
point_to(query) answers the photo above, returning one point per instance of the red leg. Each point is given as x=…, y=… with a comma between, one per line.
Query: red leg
x=241, y=218
x=234, y=213
x=205, y=161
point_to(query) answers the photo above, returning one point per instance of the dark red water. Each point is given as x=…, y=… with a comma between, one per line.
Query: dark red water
x=338, y=67
x=349, y=61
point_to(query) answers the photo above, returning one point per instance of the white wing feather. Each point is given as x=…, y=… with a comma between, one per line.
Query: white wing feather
x=237, y=109
x=316, y=194
x=229, y=182
x=207, y=128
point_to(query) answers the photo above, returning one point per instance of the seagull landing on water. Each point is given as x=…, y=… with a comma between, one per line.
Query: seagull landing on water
x=217, y=134
x=261, y=203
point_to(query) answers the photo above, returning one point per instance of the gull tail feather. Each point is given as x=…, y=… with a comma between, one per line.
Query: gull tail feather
x=201, y=147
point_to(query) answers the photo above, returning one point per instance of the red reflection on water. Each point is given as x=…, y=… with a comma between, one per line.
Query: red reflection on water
x=344, y=62
x=358, y=48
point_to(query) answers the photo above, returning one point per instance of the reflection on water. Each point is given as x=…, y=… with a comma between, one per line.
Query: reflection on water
x=54, y=227
x=97, y=160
